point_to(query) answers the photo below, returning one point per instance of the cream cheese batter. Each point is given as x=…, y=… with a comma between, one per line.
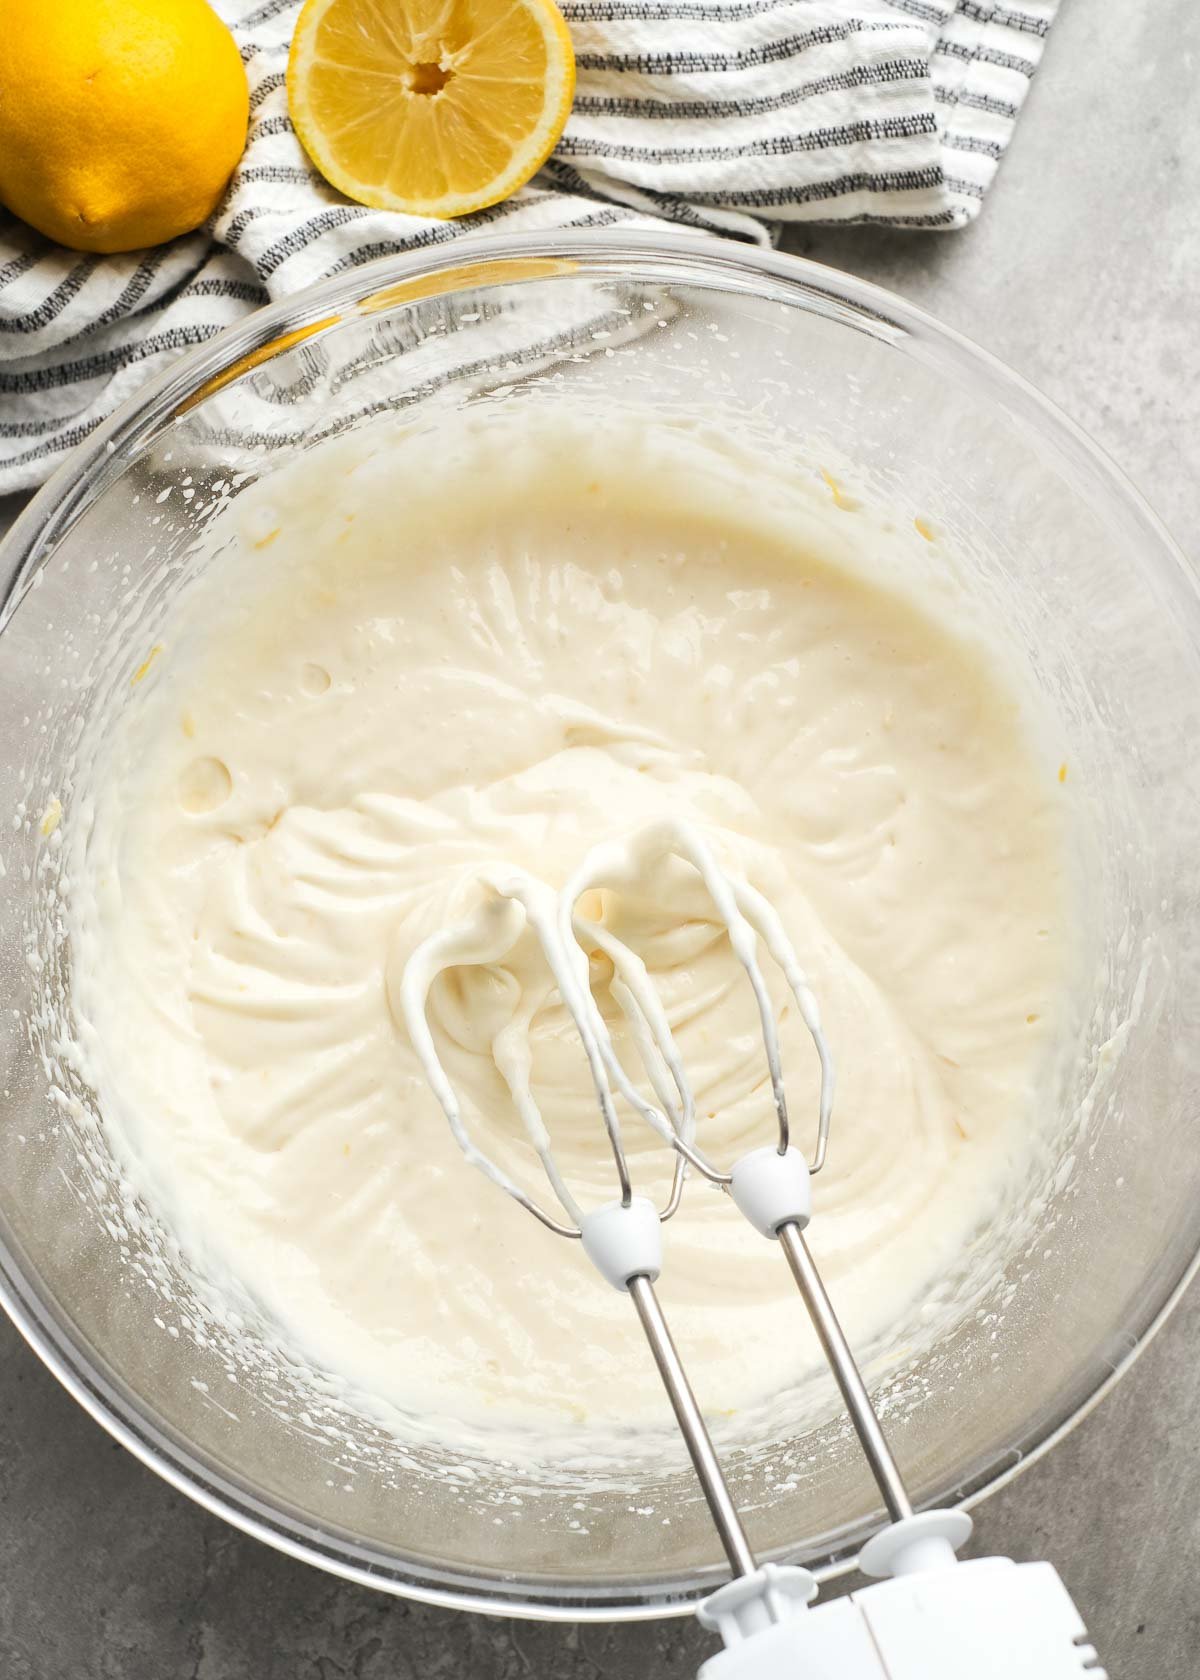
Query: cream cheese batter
x=425, y=654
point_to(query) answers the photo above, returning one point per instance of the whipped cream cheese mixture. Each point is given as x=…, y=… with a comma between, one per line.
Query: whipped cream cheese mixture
x=419, y=656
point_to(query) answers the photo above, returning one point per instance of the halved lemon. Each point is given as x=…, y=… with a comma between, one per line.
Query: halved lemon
x=433, y=107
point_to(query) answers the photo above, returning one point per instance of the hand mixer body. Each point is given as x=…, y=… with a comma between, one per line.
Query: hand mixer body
x=986, y=1619
x=933, y=1618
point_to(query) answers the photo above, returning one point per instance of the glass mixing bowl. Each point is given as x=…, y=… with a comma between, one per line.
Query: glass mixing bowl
x=823, y=370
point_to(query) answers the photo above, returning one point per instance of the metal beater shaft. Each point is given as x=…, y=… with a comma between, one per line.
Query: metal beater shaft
x=849, y=1379
x=693, y=1428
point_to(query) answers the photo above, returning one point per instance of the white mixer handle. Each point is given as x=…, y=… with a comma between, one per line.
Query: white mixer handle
x=987, y=1619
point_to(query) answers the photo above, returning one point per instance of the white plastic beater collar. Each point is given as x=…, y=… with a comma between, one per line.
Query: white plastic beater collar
x=746, y=1607
x=771, y=1189
x=926, y=1540
x=624, y=1241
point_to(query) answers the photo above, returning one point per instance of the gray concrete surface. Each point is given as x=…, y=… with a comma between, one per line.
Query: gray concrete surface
x=1081, y=274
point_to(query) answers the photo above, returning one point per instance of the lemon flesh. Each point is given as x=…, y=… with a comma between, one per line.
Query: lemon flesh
x=432, y=107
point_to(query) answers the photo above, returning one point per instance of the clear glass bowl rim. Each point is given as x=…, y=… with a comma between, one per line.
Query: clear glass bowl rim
x=665, y=257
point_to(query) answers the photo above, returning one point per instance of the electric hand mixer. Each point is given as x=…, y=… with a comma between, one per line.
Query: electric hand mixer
x=927, y=1617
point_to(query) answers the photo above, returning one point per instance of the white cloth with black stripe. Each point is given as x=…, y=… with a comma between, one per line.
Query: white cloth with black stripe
x=730, y=115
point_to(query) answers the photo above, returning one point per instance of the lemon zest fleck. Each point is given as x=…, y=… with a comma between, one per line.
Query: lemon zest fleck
x=144, y=667
x=840, y=499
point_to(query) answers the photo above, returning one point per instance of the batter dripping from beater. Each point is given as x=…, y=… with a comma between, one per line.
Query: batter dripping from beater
x=417, y=663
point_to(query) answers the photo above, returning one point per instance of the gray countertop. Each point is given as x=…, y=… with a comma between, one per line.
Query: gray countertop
x=1081, y=274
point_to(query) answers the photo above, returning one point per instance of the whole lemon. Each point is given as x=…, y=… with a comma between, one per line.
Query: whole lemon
x=120, y=120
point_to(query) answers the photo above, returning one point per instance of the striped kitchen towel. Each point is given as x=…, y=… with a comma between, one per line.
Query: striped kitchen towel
x=729, y=115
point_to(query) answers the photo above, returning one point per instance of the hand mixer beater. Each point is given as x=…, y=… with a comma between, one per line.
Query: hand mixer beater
x=928, y=1617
